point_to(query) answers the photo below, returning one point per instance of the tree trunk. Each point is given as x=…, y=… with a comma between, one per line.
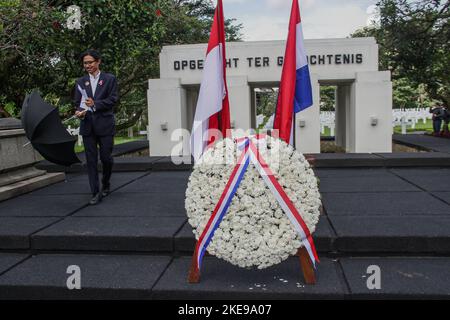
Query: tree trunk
x=131, y=122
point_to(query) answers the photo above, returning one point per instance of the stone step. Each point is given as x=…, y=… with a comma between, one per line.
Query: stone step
x=19, y=175
x=124, y=164
x=365, y=211
x=29, y=184
x=321, y=160
x=160, y=277
x=172, y=235
x=101, y=277
x=423, y=141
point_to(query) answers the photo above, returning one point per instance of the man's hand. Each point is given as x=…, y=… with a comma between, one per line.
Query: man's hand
x=80, y=114
x=90, y=102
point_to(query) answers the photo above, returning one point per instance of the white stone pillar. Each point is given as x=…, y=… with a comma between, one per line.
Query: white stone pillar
x=167, y=112
x=239, y=96
x=307, y=138
x=342, y=106
x=372, y=110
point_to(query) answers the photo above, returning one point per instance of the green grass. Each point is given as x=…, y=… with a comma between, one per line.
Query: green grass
x=117, y=140
x=420, y=126
x=327, y=132
x=428, y=127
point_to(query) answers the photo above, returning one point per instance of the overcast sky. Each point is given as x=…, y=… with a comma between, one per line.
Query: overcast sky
x=268, y=19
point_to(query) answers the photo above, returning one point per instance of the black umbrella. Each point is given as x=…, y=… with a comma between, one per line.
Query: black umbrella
x=45, y=131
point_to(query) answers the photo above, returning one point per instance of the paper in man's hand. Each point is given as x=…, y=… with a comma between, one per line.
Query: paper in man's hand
x=84, y=97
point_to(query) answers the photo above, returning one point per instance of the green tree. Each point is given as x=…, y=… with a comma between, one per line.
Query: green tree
x=37, y=50
x=414, y=44
x=266, y=103
x=327, y=98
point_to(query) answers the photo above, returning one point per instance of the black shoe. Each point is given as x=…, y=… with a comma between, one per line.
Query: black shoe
x=96, y=199
x=105, y=191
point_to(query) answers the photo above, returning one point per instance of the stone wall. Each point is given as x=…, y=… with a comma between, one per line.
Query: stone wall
x=13, y=153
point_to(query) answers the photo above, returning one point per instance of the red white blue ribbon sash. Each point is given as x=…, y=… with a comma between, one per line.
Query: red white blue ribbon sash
x=251, y=153
x=222, y=205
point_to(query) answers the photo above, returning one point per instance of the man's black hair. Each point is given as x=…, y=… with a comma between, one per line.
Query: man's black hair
x=91, y=52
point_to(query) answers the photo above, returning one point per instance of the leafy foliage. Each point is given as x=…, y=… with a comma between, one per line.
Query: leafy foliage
x=327, y=98
x=38, y=51
x=266, y=103
x=414, y=44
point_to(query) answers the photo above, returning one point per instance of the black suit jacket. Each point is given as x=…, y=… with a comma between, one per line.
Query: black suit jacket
x=101, y=122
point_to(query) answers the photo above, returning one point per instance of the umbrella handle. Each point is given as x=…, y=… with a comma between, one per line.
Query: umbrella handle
x=72, y=117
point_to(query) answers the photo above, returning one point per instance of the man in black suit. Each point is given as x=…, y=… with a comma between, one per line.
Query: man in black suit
x=95, y=97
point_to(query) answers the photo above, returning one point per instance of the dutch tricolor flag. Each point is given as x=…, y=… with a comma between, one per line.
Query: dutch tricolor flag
x=295, y=92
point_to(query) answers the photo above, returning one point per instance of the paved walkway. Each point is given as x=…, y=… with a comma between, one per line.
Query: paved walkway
x=137, y=244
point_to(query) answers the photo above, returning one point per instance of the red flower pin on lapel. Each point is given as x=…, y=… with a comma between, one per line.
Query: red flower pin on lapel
x=100, y=82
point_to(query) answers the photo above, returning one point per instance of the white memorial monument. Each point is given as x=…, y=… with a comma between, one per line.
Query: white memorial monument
x=363, y=98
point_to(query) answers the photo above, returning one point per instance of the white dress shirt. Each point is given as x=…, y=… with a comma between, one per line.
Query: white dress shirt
x=94, y=80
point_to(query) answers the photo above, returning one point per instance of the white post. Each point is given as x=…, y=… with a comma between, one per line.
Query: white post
x=403, y=125
x=331, y=130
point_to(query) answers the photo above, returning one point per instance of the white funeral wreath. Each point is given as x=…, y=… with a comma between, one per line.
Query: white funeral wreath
x=255, y=232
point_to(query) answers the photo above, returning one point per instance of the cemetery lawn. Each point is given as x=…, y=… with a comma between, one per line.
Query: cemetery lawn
x=428, y=127
x=420, y=126
x=117, y=140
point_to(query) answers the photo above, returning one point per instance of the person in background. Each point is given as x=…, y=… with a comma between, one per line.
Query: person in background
x=438, y=115
x=446, y=120
x=96, y=94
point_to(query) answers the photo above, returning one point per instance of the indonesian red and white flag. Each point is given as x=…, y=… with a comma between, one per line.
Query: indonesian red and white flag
x=213, y=110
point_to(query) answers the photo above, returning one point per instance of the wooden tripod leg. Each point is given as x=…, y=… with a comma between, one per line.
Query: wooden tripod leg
x=307, y=268
x=194, y=274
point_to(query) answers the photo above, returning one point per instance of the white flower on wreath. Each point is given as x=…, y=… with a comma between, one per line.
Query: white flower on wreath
x=255, y=232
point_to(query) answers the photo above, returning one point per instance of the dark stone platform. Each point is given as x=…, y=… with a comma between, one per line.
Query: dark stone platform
x=379, y=183
x=350, y=172
x=383, y=203
x=344, y=160
x=415, y=234
x=174, y=181
x=419, y=159
x=79, y=184
x=15, y=233
x=445, y=196
x=375, y=212
x=426, y=142
x=429, y=179
x=151, y=204
x=9, y=260
x=162, y=277
x=145, y=212
x=221, y=280
x=324, y=238
x=134, y=234
x=121, y=164
x=53, y=205
x=102, y=277
x=401, y=277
